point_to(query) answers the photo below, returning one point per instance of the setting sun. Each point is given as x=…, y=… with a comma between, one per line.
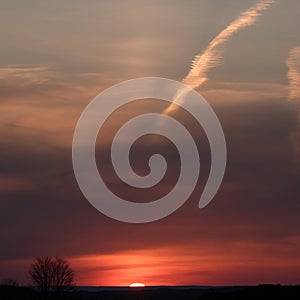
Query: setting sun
x=136, y=284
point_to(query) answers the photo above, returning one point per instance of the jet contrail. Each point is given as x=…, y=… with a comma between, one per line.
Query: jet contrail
x=293, y=75
x=211, y=57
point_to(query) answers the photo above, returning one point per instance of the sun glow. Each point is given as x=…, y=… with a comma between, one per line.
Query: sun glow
x=136, y=284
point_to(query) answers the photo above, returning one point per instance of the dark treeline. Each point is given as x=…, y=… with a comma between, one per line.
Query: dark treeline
x=174, y=293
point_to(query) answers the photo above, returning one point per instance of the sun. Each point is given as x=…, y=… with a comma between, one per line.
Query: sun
x=137, y=285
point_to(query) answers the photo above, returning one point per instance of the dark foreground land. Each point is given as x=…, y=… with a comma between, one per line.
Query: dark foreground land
x=165, y=293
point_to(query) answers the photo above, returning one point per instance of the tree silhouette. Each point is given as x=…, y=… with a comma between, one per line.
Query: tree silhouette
x=9, y=282
x=51, y=274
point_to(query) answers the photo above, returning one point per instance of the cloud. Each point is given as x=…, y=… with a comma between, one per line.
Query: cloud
x=35, y=74
x=21, y=81
x=42, y=100
x=293, y=75
x=10, y=183
x=260, y=166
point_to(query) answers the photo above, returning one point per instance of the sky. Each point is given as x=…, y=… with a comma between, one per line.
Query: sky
x=56, y=56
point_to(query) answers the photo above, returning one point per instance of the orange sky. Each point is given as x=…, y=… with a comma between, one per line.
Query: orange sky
x=167, y=268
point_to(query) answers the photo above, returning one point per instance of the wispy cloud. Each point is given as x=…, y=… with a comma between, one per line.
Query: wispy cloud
x=212, y=56
x=293, y=63
x=36, y=74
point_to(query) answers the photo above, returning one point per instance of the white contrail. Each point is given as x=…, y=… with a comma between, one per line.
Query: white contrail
x=293, y=75
x=212, y=55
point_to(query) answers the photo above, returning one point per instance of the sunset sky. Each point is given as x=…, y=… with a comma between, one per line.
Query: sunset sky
x=56, y=56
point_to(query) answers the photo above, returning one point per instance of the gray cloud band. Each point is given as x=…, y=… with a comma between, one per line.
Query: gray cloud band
x=102, y=106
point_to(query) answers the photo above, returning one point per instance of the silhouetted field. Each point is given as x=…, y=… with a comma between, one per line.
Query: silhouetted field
x=174, y=293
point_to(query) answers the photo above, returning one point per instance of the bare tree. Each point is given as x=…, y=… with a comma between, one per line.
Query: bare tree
x=9, y=282
x=51, y=274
